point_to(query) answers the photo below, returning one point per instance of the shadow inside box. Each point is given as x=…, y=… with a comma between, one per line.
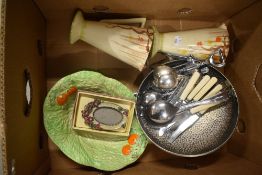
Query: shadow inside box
x=192, y=163
x=83, y=58
x=176, y=163
x=167, y=160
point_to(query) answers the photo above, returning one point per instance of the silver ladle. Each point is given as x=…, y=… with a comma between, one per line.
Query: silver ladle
x=151, y=97
x=163, y=112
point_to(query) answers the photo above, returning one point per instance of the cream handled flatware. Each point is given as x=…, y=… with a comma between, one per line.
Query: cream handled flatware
x=190, y=85
x=198, y=87
x=166, y=111
x=205, y=89
x=198, y=96
x=202, y=109
x=190, y=119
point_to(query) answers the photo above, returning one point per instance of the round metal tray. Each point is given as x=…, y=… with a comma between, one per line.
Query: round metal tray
x=209, y=133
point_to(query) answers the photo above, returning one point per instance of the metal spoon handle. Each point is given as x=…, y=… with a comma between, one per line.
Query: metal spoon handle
x=176, y=122
x=207, y=106
x=162, y=130
x=215, y=99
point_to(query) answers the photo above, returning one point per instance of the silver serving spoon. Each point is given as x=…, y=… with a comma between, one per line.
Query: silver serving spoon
x=151, y=97
x=165, y=77
x=163, y=112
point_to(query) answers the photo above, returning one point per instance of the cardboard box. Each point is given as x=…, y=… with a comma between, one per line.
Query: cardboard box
x=35, y=36
x=118, y=131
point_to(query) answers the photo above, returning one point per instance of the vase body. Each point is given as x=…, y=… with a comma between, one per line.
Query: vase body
x=200, y=43
x=127, y=43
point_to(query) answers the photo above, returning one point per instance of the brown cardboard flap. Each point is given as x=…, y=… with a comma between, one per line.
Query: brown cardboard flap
x=257, y=83
x=73, y=172
x=26, y=140
x=166, y=9
x=225, y=164
x=3, y=151
x=241, y=71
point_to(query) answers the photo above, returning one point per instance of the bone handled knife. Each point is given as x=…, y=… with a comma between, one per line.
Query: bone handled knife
x=187, y=123
x=206, y=88
x=198, y=87
x=190, y=85
x=190, y=117
x=203, y=108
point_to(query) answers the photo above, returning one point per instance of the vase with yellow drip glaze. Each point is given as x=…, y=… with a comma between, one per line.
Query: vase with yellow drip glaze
x=127, y=43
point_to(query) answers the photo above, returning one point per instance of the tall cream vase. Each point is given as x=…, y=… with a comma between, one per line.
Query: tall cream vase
x=129, y=44
x=200, y=43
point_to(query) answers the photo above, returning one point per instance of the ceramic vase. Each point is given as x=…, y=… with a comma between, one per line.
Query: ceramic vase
x=127, y=43
x=200, y=43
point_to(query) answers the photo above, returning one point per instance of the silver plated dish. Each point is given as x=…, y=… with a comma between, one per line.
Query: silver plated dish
x=207, y=134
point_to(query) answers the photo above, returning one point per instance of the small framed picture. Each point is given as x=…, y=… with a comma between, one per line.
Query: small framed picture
x=102, y=115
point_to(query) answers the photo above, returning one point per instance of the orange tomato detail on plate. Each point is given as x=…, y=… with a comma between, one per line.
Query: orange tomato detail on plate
x=132, y=139
x=126, y=150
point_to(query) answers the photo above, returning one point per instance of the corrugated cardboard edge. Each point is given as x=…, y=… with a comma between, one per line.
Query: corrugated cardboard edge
x=2, y=88
x=254, y=82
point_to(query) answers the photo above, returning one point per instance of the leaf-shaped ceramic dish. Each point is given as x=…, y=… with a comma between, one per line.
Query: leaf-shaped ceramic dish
x=101, y=154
